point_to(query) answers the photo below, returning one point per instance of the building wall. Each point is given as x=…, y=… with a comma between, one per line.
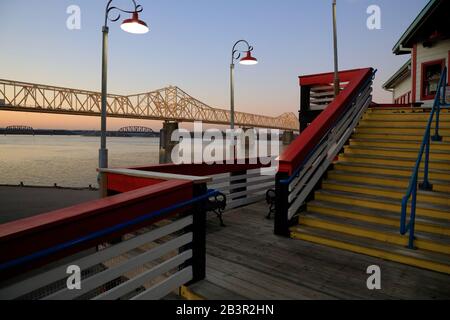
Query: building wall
x=403, y=91
x=441, y=50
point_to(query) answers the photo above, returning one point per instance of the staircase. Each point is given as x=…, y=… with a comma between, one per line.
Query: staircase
x=359, y=204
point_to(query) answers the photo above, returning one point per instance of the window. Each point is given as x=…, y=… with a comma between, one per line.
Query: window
x=431, y=73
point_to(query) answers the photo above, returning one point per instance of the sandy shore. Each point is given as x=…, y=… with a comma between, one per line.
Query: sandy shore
x=20, y=202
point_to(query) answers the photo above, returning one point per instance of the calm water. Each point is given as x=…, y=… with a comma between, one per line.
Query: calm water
x=69, y=161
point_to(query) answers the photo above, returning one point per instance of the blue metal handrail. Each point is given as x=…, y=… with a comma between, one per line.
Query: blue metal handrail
x=411, y=193
x=106, y=231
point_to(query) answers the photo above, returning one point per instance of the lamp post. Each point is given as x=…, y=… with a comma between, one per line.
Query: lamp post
x=247, y=60
x=336, y=67
x=131, y=25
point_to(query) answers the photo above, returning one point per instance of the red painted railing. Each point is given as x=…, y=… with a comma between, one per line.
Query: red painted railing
x=24, y=237
x=293, y=156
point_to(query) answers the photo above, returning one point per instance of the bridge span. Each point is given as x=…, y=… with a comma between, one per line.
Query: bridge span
x=167, y=104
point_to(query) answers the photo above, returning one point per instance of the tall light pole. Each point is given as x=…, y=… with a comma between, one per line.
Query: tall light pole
x=132, y=25
x=336, y=66
x=247, y=60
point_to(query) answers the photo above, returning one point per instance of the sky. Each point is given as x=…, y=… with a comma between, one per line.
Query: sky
x=189, y=45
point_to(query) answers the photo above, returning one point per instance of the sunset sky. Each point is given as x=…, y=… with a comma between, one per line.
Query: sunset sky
x=189, y=46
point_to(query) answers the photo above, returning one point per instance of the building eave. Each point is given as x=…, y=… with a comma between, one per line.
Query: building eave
x=402, y=47
x=401, y=74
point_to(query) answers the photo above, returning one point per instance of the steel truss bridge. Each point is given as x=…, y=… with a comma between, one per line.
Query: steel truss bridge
x=167, y=104
x=136, y=129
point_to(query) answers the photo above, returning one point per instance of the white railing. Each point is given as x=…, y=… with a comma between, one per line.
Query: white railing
x=321, y=96
x=245, y=187
x=313, y=170
x=149, y=265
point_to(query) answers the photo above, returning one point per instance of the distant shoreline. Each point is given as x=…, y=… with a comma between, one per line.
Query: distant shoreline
x=83, y=133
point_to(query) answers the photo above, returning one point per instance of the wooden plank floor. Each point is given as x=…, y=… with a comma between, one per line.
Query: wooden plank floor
x=245, y=260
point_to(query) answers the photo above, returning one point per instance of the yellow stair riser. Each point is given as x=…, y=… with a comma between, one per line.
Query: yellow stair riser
x=421, y=227
x=398, y=145
x=383, y=182
x=418, y=132
x=373, y=204
x=421, y=198
x=397, y=163
x=403, y=117
x=395, y=153
x=406, y=110
x=387, y=136
x=373, y=252
x=375, y=235
x=401, y=124
x=388, y=171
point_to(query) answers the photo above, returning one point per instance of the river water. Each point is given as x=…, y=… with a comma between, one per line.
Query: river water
x=68, y=161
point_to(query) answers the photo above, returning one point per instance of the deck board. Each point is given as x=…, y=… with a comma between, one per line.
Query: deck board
x=245, y=260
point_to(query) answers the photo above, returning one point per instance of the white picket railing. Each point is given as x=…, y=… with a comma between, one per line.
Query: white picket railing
x=246, y=188
x=149, y=265
x=319, y=161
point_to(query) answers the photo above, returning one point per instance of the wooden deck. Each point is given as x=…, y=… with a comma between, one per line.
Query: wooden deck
x=245, y=260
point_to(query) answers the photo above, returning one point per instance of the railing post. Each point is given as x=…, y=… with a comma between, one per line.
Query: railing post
x=281, y=227
x=199, y=236
x=412, y=221
x=426, y=185
x=440, y=95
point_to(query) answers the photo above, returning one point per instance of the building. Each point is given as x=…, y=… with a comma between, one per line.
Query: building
x=427, y=41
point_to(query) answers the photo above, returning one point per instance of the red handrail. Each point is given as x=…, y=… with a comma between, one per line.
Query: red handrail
x=26, y=236
x=294, y=155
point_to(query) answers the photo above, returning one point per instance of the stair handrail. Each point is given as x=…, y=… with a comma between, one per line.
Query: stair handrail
x=303, y=165
x=424, y=148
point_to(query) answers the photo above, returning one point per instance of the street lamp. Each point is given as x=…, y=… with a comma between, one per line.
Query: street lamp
x=337, y=88
x=248, y=60
x=132, y=25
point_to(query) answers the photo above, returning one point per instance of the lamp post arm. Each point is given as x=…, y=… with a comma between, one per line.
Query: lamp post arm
x=236, y=54
x=137, y=8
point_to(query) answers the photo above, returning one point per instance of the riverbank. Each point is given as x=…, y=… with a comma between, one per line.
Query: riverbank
x=20, y=202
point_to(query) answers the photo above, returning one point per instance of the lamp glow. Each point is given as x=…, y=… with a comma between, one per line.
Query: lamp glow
x=134, y=25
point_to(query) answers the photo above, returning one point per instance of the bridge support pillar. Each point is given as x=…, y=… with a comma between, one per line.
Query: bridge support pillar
x=166, y=144
x=288, y=137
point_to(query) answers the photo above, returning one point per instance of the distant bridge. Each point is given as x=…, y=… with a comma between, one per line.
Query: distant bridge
x=19, y=130
x=136, y=129
x=167, y=104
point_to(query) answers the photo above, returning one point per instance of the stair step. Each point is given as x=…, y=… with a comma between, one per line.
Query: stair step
x=443, y=123
x=398, y=144
x=423, y=224
x=403, y=116
x=420, y=131
x=383, y=180
x=382, y=203
x=440, y=175
x=439, y=198
x=392, y=161
x=406, y=110
x=424, y=241
x=393, y=136
x=396, y=152
x=418, y=258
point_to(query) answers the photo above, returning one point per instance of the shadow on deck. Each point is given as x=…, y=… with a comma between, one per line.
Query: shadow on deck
x=246, y=260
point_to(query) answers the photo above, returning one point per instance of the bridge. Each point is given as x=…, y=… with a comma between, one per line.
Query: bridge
x=136, y=129
x=18, y=130
x=167, y=104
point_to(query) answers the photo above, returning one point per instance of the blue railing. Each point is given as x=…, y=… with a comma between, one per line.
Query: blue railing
x=411, y=194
